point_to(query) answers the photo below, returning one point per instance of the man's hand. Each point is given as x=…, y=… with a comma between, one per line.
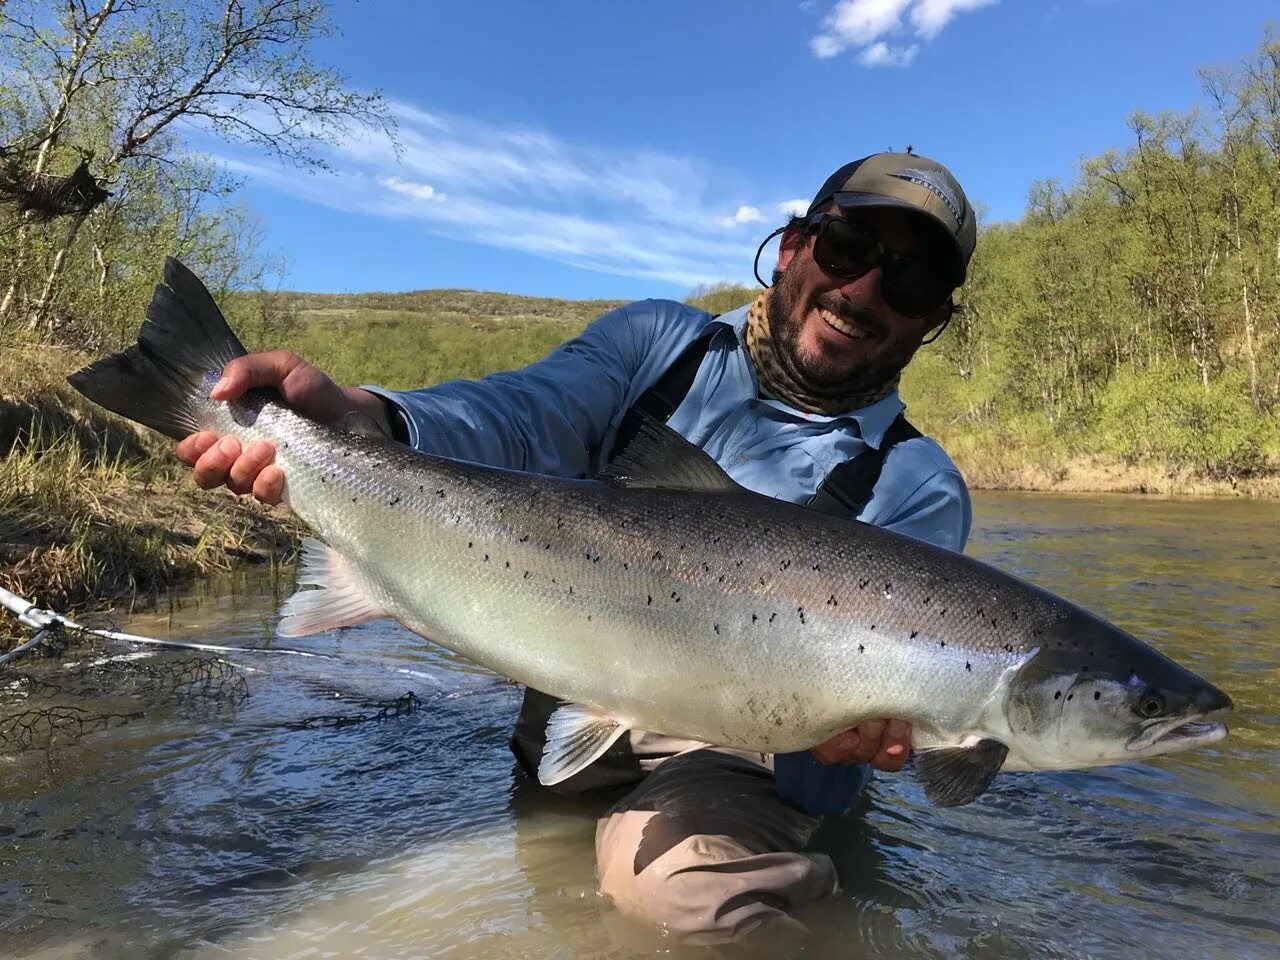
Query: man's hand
x=306, y=389
x=885, y=744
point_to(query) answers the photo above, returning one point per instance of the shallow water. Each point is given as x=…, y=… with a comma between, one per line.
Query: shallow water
x=260, y=821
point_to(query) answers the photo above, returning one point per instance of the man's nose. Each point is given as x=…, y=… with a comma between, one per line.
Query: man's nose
x=863, y=291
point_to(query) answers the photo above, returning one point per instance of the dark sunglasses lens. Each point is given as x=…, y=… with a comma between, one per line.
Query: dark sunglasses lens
x=844, y=249
x=911, y=286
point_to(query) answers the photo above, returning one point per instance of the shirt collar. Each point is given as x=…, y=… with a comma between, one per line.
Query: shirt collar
x=873, y=420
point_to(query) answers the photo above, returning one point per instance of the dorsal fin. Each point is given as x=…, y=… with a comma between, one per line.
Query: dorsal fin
x=659, y=457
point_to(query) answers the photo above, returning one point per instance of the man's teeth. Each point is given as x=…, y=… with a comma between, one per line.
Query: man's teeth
x=848, y=329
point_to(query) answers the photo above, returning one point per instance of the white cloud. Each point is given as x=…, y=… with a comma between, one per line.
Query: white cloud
x=793, y=208
x=745, y=214
x=419, y=191
x=867, y=25
x=930, y=16
x=880, y=54
x=623, y=211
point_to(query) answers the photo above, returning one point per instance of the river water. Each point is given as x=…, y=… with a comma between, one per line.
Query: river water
x=208, y=812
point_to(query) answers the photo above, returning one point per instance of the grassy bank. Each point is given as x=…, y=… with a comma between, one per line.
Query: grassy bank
x=92, y=509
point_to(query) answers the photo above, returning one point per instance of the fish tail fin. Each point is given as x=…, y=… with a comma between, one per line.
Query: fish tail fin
x=182, y=347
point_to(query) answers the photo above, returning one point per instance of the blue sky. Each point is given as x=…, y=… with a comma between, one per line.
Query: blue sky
x=624, y=150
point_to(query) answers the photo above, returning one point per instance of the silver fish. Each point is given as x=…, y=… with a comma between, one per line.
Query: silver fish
x=664, y=597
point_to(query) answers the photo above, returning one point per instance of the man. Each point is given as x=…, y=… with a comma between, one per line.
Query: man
x=781, y=393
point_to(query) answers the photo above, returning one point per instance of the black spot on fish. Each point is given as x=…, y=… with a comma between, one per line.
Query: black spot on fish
x=993, y=621
x=738, y=564
x=706, y=567
x=1097, y=694
x=942, y=643
x=861, y=648
x=346, y=453
x=546, y=546
x=862, y=584
x=873, y=626
x=486, y=558
x=526, y=575
x=470, y=544
x=926, y=601
x=507, y=563
x=649, y=602
x=657, y=555
x=800, y=611
x=324, y=479
x=588, y=618
x=1070, y=696
x=440, y=493
x=715, y=539
x=393, y=501
x=914, y=634
x=772, y=617
x=817, y=566
x=525, y=538
x=625, y=565
x=968, y=666
x=784, y=565
x=675, y=596
x=832, y=602
x=754, y=618
x=353, y=499
x=571, y=590
x=761, y=581
x=1058, y=695
x=715, y=627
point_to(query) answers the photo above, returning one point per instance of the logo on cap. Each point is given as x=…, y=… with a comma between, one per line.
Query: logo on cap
x=932, y=180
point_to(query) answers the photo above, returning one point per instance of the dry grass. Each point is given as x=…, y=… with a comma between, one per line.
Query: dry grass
x=91, y=508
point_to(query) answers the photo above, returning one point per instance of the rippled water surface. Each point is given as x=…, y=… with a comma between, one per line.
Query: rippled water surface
x=199, y=817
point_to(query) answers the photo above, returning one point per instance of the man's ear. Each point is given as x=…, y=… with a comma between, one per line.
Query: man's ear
x=938, y=322
x=791, y=243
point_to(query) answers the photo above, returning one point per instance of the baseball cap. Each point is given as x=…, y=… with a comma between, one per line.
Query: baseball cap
x=910, y=182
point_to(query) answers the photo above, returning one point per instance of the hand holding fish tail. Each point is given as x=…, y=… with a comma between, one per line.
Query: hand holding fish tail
x=885, y=744
x=218, y=461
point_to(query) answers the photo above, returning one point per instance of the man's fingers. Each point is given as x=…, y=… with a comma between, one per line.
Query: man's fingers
x=243, y=474
x=895, y=746
x=269, y=485
x=214, y=464
x=255, y=370
x=191, y=448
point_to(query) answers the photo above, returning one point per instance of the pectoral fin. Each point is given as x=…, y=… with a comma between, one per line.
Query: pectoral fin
x=576, y=736
x=957, y=775
x=341, y=600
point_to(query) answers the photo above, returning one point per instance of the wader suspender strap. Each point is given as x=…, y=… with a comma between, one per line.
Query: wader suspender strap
x=660, y=400
x=847, y=489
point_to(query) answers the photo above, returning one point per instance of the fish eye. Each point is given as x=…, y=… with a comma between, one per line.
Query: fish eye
x=1151, y=704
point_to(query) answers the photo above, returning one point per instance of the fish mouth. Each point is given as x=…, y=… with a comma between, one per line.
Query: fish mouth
x=1176, y=736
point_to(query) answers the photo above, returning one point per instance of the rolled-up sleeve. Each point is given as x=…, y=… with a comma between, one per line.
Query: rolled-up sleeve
x=544, y=418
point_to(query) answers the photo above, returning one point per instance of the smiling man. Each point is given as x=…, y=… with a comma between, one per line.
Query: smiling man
x=795, y=395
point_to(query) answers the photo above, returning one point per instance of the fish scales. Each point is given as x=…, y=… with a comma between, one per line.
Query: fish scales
x=724, y=597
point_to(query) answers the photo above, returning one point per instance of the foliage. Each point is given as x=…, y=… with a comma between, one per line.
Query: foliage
x=108, y=89
x=1135, y=312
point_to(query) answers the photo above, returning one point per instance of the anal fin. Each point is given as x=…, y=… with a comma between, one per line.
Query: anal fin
x=953, y=776
x=576, y=737
x=341, y=600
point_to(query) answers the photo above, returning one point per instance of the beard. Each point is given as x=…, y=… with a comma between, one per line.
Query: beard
x=817, y=372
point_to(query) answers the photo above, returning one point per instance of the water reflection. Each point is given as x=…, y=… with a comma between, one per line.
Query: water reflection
x=235, y=827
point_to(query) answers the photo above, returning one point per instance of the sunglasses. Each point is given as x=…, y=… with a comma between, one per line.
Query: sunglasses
x=913, y=285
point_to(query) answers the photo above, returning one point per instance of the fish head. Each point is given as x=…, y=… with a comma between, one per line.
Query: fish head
x=1093, y=695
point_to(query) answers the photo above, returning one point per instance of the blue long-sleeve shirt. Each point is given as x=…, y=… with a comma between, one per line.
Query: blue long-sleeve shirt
x=560, y=416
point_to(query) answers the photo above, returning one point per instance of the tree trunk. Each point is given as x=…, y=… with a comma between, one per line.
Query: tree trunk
x=41, y=319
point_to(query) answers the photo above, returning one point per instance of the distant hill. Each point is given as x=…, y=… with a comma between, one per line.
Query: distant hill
x=473, y=308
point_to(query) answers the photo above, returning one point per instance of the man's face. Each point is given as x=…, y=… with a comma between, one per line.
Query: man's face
x=839, y=336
